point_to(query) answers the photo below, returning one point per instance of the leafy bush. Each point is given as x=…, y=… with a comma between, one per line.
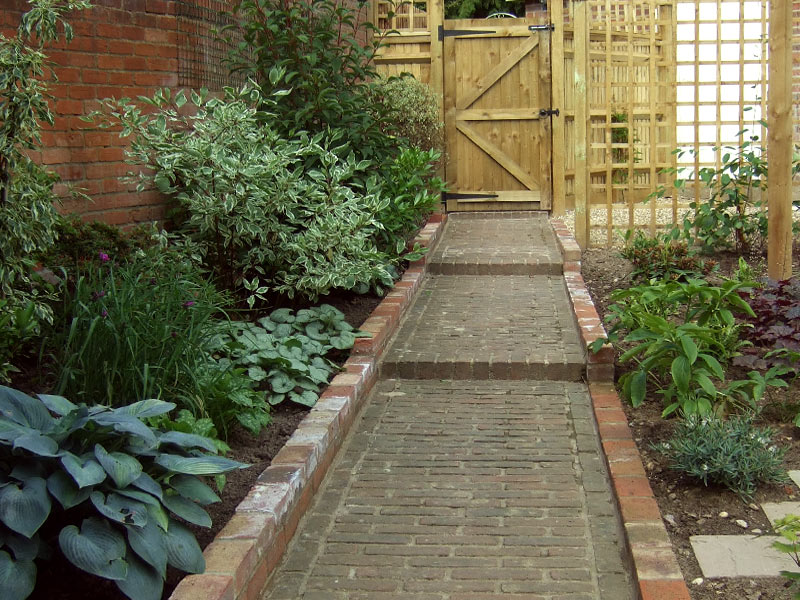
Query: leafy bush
x=79, y=241
x=662, y=257
x=733, y=453
x=27, y=215
x=262, y=219
x=320, y=53
x=412, y=193
x=682, y=333
x=286, y=352
x=110, y=488
x=412, y=112
x=136, y=329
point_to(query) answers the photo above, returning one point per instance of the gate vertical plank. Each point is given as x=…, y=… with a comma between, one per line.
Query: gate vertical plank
x=545, y=129
x=449, y=104
x=435, y=20
x=558, y=101
x=582, y=215
x=779, y=136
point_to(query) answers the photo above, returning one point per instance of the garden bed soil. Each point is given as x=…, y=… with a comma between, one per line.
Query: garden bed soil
x=64, y=582
x=687, y=507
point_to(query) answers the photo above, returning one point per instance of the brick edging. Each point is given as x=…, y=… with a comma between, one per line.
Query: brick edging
x=658, y=575
x=245, y=552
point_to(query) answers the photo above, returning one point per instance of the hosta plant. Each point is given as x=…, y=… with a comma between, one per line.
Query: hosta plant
x=104, y=488
x=286, y=353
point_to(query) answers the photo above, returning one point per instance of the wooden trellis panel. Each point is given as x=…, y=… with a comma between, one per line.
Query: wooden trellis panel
x=406, y=37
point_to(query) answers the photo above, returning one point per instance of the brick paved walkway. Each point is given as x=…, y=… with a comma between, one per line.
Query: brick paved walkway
x=477, y=476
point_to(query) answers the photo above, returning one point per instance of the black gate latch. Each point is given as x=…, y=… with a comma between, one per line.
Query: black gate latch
x=549, y=27
x=548, y=112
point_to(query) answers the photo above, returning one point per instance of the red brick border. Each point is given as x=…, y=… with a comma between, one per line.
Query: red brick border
x=244, y=553
x=655, y=567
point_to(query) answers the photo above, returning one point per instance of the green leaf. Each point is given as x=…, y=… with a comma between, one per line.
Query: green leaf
x=85, y=471
x=142, y=582
x=17, y=578
x=187, y=440
x=146, y=408
x=187, y=510
x=706, y=384
x=96, y=548
x=57, y=404
x=681, y=371
x=37, y=444
x=24, y=410
x=149, y=542
x=148, y=484
x=306, y=398
x=280, y=383
x=192, y=488
x=638, y=387
x=123, y=468
x=123, y=423
x=198, y=465
x=183, y=552
x=712, y=364
x=64, y=489
x=24, y=509
x=119, y=508
x=689, y=348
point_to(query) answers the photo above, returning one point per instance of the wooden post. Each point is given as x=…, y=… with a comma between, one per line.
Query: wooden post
x=558, y=101
x=435, y=20
x=582, y=205
x=779, y=140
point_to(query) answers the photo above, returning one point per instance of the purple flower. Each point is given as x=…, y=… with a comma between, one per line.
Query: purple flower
x=103, y=257
x=104, y=313
x=188, y=304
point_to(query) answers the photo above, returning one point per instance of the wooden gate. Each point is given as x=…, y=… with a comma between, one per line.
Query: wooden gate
x=496, y=101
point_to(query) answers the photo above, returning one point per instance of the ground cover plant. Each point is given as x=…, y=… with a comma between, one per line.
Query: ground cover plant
x=104, y=488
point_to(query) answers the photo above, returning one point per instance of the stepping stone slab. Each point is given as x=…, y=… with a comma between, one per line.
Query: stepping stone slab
x=795, y=476
x=739, y=556
x=778, y=510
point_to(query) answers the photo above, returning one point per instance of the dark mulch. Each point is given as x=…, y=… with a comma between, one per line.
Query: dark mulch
x=688, y=507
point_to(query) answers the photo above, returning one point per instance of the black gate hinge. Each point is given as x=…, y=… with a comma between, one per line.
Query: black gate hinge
x=443, y=33
x=548, y=27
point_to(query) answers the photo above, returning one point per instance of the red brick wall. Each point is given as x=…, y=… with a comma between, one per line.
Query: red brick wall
x=122, y=48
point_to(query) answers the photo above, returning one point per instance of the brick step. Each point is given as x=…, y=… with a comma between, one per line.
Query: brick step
x=488, y=327
x=498, y=267
x=406, y=365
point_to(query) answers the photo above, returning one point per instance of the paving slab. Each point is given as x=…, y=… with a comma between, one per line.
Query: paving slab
x=516, y=244
x=460, y=489
x=488, y=327
x=778, y=510
x=739, y=556
x=794, y=476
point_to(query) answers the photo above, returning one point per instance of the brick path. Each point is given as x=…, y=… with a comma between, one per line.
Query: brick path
x=477, y=476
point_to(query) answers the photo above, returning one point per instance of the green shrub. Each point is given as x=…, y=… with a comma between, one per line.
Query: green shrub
x=412, y=112
x=135, y=329
x=112, y=488
x=662, y=257
x=27, y=215
x=266, y=213
x=412, y=194
x=788, y=528
x=319, y=53
x=286, y=353
x=733, y=453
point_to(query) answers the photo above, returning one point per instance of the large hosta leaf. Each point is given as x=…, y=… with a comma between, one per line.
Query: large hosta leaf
x=96, y=548
x=37, y=444
x=198, y=465
x=17, y=578
x=193, y=489
x=123, y=468
x=149, y=542
x=187, y=440
x=22, y=548
x=58, y=404
x=123, y=423
x=187, y=510
x=85, y=470
x=146, y=408
x=66, y=491
x=183, y=552
x=142, y=582
x=148, y=484
x=120, y=508
x=24, y=506
x=24, y=410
